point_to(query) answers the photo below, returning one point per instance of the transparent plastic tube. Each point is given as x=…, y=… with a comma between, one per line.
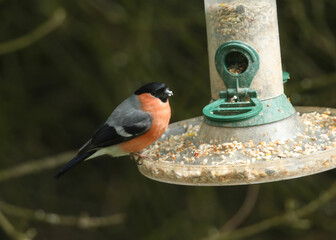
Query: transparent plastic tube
x=251, y=21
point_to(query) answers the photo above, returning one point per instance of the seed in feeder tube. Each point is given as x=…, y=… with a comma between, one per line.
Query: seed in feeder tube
x=238, y=21
x=240, y=9
x=237, y=68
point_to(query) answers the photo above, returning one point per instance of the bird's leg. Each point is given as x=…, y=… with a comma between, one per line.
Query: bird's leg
x=140, y=157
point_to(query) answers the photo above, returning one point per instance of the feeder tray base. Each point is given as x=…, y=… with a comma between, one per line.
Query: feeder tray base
x=181, y=157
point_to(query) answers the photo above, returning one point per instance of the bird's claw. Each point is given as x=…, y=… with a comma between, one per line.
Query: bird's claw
x=139, y=158
x=139, y=161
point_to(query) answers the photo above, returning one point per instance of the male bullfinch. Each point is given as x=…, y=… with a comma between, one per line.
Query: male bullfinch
x=134, y=125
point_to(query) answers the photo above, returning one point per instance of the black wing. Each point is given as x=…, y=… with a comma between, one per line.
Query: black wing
x=108, y=135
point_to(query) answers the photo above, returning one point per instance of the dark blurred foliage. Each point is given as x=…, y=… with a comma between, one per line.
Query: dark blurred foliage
x=56, y=91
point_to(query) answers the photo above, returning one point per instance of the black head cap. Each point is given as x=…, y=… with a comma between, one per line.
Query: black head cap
x=156, y=89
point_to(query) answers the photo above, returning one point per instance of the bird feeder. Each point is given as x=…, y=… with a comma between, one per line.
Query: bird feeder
x=249, y=132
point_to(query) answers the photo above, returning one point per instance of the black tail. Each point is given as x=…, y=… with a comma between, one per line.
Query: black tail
x=79, y=158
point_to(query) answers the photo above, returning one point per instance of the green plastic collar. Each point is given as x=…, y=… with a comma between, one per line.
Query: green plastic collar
x=273, y=110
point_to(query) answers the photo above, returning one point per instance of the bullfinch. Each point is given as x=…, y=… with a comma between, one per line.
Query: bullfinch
x=134, y=125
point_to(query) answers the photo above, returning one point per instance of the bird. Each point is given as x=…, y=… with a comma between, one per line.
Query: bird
x=132, y=126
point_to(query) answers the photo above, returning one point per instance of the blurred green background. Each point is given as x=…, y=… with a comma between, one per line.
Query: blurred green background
x=65, y=65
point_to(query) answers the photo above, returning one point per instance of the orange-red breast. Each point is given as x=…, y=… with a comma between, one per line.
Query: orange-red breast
x=134, y=125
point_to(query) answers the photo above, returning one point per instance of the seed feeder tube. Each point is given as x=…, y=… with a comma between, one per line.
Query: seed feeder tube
x=255, y=23
x=245, y=73
x=249, y=132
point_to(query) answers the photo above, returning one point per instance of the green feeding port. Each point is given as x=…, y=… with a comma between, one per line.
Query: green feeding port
x=238, y=106
x=285, y=77
x=236, y=62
